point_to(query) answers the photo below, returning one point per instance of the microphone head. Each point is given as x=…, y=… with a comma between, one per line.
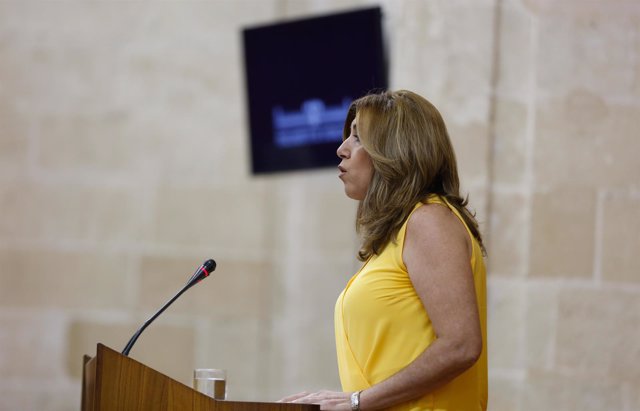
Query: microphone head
x=209, y=265
x=203, y=272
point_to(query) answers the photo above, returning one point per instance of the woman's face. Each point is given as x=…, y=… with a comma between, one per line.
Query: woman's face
x=355, y=168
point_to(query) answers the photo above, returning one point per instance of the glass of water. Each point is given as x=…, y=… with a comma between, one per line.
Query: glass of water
x=211, y=382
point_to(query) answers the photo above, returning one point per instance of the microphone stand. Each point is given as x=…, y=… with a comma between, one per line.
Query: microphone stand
x=199, y=275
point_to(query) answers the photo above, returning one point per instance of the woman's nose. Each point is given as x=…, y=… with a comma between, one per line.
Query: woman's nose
x=342, y=151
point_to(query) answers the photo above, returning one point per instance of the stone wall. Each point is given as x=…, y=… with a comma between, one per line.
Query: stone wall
x=124, y=164
x=565, y=279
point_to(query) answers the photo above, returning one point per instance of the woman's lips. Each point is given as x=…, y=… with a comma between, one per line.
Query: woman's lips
x=342, y=171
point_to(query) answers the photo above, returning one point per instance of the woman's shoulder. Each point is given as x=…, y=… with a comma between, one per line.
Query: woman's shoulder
x=435, y=222
x=432, y=215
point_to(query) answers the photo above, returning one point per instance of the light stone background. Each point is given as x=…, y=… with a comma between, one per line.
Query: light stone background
x=124, y=164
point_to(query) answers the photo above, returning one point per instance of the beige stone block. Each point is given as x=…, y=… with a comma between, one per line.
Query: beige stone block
x=504, y=394
x=457, y=35
x=541, y=6
x=81, y=18
x=562, y=235
x=110, y=33
x=63, y=58
x=307, y=357
x=580, y=8
x=507, y=236
x=471, y=144
x=58, y=212
x=47, y=278
x=548, y=390
x=203, y=146
x=541, y=324
x=99, y=141
x=187, y=115
x=588, y=47
x=506, y=324
x=235, y=290
x=305, y=8
x=465, y=30
x=583, y=139
x=620, y=239
x=329, y=226
x=516, y=57
x=295, y=277
x=165, y=348
x=14, y=142
x=598, y=333
x=510, y=146
x=310, y=215
x=632, y=396
x=32, y=345
x=228, y=217
x=120, y=216
x=40, y=394
x=314, y=363
x=416, y=20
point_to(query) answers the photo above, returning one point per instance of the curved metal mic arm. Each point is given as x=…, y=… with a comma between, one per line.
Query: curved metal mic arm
x=201, y=273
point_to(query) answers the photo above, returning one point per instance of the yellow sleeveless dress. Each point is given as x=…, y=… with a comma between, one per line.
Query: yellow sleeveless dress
x=381, y=326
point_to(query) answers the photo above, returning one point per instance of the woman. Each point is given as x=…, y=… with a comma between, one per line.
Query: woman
x=411, y=324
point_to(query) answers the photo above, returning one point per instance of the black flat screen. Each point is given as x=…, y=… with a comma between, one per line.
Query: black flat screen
x=301, y=77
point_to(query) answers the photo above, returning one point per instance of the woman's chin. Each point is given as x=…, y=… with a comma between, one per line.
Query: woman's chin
x=353, y=195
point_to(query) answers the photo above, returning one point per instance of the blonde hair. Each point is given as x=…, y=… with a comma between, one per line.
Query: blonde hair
x=412, y=157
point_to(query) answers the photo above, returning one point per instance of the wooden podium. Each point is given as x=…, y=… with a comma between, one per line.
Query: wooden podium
x=113, y=382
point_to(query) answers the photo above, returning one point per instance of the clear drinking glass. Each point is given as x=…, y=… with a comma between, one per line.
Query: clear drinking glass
x=211, y=382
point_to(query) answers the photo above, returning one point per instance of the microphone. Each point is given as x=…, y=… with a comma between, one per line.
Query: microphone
x=201, y=273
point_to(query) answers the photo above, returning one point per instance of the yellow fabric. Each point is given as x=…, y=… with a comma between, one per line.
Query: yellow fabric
x=381, y=326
